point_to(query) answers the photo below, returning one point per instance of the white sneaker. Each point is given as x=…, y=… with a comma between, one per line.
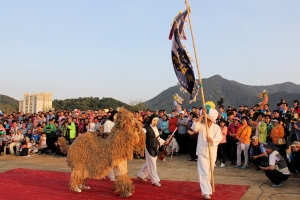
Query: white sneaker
x=157, y=184
x=222, y=165
x=206, y=196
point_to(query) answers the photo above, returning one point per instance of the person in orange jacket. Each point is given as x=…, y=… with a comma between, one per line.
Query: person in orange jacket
x=243, y=135
x=276, y=133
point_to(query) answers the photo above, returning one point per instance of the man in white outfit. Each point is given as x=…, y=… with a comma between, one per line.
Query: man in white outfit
x=213, y=137
x=153, y=141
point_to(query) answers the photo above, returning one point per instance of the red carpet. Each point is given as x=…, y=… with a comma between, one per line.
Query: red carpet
x=28, y=184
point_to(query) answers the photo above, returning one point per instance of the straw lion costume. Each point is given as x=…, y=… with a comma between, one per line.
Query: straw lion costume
x=93, y=156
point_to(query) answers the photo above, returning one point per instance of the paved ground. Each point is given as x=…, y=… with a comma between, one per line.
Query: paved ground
x=178, y=169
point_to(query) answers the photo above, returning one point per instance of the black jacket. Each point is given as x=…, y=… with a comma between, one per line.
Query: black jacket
x=152, y=143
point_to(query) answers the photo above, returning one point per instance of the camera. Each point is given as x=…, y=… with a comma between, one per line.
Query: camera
x=264, y=164
x=220, y=103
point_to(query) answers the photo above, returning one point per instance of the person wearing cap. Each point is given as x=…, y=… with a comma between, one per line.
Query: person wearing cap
x=294, y=164
x=213, y=137
x=258, y=153
x=231, y=139
x=153, y=141
x=243, y=135
x=277, y=132
x=277, y=171
x=182, y=124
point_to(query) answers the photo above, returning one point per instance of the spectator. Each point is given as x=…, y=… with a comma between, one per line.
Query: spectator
x=91, y=125
x=297, y=129
x=14, y=128
x=172, y=122
x=50, y=131
x=222, y=145
x=243, y=135
x=296, y=108
x=165, y=126
x=193, y=132
x=261, y=128
x=277, y=171
x=258, y=153
x=70, y=131
x=2, y=142
x=277, y=132
x=2, y=128
x=50, y=116
x=30, y=124
x=182, y=124
x=24, y=129
x=294, y=164
x=269, y=127
x=16, y=142
x=231, y=139
x=223, y=114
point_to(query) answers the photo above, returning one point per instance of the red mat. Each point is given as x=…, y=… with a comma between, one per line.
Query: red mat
x=37, y=184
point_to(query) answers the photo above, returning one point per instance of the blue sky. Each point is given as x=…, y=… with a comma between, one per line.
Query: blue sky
x=120, y=48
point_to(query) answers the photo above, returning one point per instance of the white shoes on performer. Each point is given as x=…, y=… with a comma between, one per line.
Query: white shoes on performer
x=206, y=196
x=142, y=179
x=222, y=165
x=157, y=184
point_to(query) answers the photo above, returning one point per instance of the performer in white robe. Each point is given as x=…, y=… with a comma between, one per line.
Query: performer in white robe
x=153, y=141
x=214, y=138
x=108, y=125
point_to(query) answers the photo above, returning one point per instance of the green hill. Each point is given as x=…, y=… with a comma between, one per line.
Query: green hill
x=8, y=104
x=88, y=103
x=234, y=93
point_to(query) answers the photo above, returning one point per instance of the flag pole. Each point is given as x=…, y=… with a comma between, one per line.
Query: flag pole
x=202, y=94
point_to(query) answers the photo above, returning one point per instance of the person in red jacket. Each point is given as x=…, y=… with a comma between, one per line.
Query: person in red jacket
x=231, y=139
x=173, y=122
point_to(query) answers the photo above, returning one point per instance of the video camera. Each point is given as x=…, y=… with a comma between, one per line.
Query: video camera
x=220, y=103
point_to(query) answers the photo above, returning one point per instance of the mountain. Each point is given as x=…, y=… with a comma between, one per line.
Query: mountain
x=88, y=103
x=8, y=104
x=234, y=93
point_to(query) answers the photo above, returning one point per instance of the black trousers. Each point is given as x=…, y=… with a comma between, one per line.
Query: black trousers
x=222, y=152
x=50, y=141
x=293, y=167
x=232, y=151
x=193, y=148
x=256, y=162
x=182, y=143
x=275, y=176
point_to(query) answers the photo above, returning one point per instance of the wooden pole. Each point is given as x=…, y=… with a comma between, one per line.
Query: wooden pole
x=202, y=94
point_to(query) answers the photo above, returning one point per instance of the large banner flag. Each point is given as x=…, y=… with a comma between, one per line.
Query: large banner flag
x=181, y=60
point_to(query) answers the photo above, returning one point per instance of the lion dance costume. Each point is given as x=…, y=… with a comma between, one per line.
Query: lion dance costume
x=93, y=155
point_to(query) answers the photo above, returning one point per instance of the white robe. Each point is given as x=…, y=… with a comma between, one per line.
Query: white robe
x=203, y=155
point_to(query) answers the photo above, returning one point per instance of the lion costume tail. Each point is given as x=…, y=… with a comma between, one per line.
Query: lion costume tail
x=63, y=145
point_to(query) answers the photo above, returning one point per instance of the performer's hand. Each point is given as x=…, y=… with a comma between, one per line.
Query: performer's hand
x=209, y=140
x=203, y=111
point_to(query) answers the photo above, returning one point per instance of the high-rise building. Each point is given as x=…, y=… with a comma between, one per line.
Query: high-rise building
x=33, y=103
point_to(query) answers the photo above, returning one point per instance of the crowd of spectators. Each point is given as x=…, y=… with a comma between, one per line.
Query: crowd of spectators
x=244, y=130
